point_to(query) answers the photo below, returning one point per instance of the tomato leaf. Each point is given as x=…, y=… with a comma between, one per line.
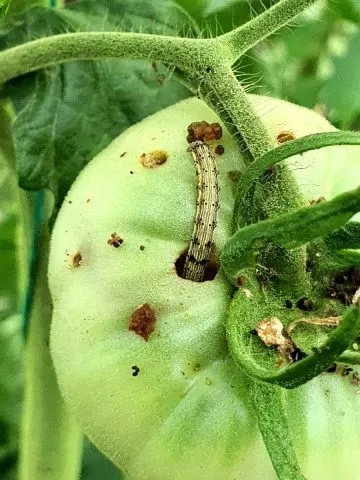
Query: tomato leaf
x=69, y=113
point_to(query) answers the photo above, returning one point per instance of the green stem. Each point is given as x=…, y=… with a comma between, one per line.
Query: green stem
x=51, y=442
x=232, y=99
x=243, y=38
x=274, y=428
x=31, y=56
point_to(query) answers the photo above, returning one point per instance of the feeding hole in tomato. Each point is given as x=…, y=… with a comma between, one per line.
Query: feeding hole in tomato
x=76, y=260
x=153, y=159
x=283, y=137
x=211, y=268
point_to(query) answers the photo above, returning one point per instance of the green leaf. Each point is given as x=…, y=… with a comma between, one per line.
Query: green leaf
x=341, y=93
x=69, y=113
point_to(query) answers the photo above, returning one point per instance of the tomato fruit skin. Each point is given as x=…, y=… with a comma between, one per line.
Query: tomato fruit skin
x=175, y=406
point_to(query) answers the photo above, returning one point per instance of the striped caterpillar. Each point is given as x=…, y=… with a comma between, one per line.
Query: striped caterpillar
x=207, y=206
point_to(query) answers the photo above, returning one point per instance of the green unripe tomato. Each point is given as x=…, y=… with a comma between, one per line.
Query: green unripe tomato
x=174, y=405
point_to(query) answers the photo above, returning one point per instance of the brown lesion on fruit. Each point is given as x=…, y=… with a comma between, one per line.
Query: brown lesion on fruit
x=153, y=159
x=142, y=321
x=115, y=240
x=234, y=175
x=285, y=136
x=203, y=131
x=123, y=154
x=76, y=260
x=344, y=286
x=219, y=149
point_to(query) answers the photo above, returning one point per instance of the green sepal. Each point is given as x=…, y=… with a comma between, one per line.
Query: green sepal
x=274, y=428
x=250, y=306
x=290, y=231
x=345, y=237
x=283, y=152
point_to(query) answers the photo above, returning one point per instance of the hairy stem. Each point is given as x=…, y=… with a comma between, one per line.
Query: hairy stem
x=243, y=38
x=31, y=56
x=51, y=442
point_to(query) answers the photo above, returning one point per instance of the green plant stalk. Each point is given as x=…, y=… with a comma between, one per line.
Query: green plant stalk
x=51, y=442
x=22, y=200
x=274, y=429
x=243, y=38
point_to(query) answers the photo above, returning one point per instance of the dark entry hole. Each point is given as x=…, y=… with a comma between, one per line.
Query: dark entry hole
x=211, y=268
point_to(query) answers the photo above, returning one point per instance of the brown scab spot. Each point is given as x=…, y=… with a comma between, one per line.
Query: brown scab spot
x=153, y=159
x=219, y=150
x=123, y=154
x=115, y=240
x=203, y=131
x=142, y=247
x=76, y=260
x=135, y=370
x=142, y=321
x=234, y=175
x=88, y=200
x=284, y=137
x=70, y=201
x=154, y=66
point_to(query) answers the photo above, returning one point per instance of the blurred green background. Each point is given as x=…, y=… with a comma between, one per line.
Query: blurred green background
x=315, y=63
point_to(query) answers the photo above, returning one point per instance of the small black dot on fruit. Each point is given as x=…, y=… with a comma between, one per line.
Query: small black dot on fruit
x=135, y=370
x=288, y=304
